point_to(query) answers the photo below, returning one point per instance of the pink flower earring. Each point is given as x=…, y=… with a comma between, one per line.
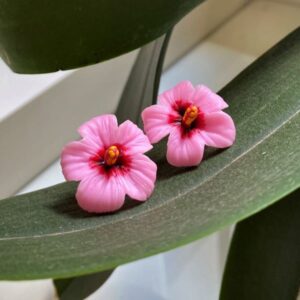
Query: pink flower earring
x=193, y=118
x=109, y=160
x=109, y=163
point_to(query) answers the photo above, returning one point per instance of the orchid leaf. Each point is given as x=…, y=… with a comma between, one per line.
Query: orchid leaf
x=264, y=256
x=38, y=36
x=45, y=234
x=142, y=85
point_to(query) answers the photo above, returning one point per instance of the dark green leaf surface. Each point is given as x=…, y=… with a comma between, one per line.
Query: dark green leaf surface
x=38, y=36
x=264, y=256
x=79, y=288
x=142, y=85
x=44, y=234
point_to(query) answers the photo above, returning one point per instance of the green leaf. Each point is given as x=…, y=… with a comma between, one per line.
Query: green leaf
x=38, y=36
x=264, y=257
x=44, y=234
x=142, y=85
x=79, y=288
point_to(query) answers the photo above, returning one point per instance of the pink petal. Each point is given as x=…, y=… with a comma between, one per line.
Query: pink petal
x=156, y=119
x=100, y=194
x=102, y=130
x=182, y=91
x=133, y=139
x=219, y=130
x=139, y=181
x=75, y=159
x=184, y=151
x=207, y=100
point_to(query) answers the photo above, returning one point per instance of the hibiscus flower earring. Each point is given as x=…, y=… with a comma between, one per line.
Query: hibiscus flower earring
x=109, y=162
x=192, y=117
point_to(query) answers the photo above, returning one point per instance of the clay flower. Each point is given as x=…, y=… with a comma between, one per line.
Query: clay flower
x=193, y=118
x=109, y=163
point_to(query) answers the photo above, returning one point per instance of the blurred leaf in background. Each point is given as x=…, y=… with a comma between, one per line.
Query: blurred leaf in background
x=79, y=288
x=264, y=257
x=40, y=36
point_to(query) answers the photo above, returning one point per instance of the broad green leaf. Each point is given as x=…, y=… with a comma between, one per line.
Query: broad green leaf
x=142, y=86
x=38, y=36
x=44, y=234
x=264, y=256
x=79, y=288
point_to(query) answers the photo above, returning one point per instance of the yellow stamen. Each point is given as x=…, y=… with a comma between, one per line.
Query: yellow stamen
x=111, y=155
x=190, y=115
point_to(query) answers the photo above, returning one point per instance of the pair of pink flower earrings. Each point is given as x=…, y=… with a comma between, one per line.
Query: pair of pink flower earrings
x=109, y=160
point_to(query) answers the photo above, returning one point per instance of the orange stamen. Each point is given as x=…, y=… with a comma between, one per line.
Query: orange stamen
x=190, y=115
x=111, y=155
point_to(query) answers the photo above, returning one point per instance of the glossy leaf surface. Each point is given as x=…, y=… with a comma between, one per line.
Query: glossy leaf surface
x=38, y=36
x=44, y=234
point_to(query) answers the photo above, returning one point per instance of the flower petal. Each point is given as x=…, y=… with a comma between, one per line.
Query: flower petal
x=139, y=181
x=100, y=194
x=102, y=130
x=156, y=119
x=133, y=138
x=75, y=159
x=182, y=91
x=207, y=100
x=184, y=150
x=219, y=130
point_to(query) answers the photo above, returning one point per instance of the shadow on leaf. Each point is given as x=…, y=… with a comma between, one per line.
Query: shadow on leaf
x=68, y=206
